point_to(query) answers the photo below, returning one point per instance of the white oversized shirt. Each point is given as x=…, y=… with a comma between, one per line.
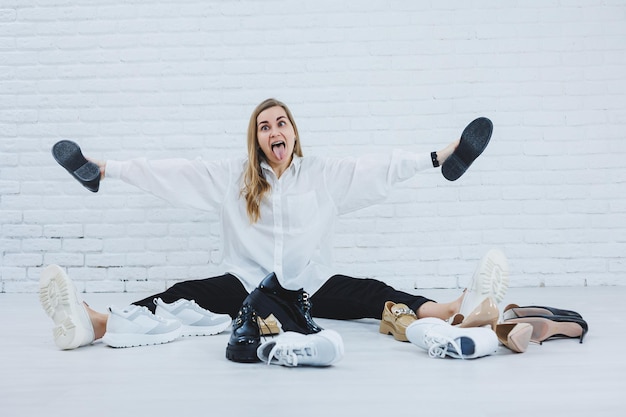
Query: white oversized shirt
x=293, y=237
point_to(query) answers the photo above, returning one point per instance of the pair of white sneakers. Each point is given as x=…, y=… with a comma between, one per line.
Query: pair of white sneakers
x=136, y=325
x=126, y=327
x=440, y=338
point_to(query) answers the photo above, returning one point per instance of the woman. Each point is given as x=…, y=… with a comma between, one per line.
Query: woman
x=277, y=210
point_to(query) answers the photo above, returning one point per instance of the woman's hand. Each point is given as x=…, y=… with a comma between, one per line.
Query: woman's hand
x=443, y=154
x=101, y=164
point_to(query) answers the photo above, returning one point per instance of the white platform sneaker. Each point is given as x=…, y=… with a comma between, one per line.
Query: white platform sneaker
x=195, y=320
x=296, y=349
x=60, y=301
x=490, y=279
x=136, y=326
x=440, y=339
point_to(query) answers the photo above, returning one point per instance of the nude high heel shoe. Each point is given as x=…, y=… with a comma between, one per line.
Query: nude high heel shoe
x=554, y=327
x=486, y=313
x=515, y=336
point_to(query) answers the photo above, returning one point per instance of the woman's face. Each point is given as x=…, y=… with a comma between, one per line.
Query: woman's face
x=276, y=137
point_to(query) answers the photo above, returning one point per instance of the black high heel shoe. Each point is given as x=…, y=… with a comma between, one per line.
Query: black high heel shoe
x=513, y=311
x=554, y=327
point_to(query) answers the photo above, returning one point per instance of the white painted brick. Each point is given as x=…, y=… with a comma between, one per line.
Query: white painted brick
x=41, y=245
x=105, y=287
x=12, y=273
x=167, y=272
x=64, y=259
x=127, y=274
x=105, y=260
x=81, y=273
x=151, y=287
x=162, y=80
x=22, y=259
x=82, y=245
x=146, y=259
x=20, y=286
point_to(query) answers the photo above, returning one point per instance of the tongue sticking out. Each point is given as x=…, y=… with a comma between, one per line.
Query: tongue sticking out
x=279, y=150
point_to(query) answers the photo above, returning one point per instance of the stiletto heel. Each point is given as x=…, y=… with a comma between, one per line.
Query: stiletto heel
x=486, y=313
x=585, y=330
x=515, y=336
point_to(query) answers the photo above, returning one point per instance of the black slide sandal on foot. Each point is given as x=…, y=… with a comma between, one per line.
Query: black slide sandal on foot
x=474, y=140
x=70, y=157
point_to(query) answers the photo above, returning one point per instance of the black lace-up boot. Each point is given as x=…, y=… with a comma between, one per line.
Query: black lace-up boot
x=291, y=308
x=245, y=336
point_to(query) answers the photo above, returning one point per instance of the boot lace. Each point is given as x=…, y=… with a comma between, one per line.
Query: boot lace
x=438, y=345
x=304, y=300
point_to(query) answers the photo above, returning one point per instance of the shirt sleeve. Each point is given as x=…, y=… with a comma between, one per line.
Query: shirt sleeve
x=186, y=183
x=356, y=183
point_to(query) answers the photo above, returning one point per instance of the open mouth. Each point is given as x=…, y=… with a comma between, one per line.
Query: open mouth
x=279, y=148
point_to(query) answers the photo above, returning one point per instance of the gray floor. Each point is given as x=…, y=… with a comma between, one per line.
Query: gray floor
x=378, y=375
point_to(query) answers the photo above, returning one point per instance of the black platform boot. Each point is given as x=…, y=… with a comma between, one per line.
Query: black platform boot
x=245, y=337
x=291, y=308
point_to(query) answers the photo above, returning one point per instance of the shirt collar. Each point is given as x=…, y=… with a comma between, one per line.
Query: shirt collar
x=294, y=167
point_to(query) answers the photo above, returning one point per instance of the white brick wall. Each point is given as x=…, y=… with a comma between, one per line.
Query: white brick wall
x=180, y=78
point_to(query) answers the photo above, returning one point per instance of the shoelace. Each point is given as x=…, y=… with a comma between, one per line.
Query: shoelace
x=439, y=345
x=304, y=299
x=145, y=311
x=287, y=354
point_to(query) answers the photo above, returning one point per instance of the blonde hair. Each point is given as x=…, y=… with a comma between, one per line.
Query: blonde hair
x=255, y=186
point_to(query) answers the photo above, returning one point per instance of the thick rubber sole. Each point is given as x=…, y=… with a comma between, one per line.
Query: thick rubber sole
x=70, y=157
x=60, y=301
x=243, y=353
x=390, y=329
x=127, y=340
x=474, y=140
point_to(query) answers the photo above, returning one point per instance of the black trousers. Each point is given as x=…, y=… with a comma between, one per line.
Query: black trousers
x=341, y=297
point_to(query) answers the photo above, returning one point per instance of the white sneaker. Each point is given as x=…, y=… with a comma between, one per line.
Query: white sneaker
x=195, y=320
x=60, y=301
x=491, y=279
x=137, y=326
x=442, y=339
x=297, y=349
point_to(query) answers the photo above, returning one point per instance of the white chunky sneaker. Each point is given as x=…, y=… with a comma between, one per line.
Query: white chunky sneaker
x=195, y=320
x=440, y=339
x=490, y=279
x=60, y=301
x=137, y=326
x=297, y=349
